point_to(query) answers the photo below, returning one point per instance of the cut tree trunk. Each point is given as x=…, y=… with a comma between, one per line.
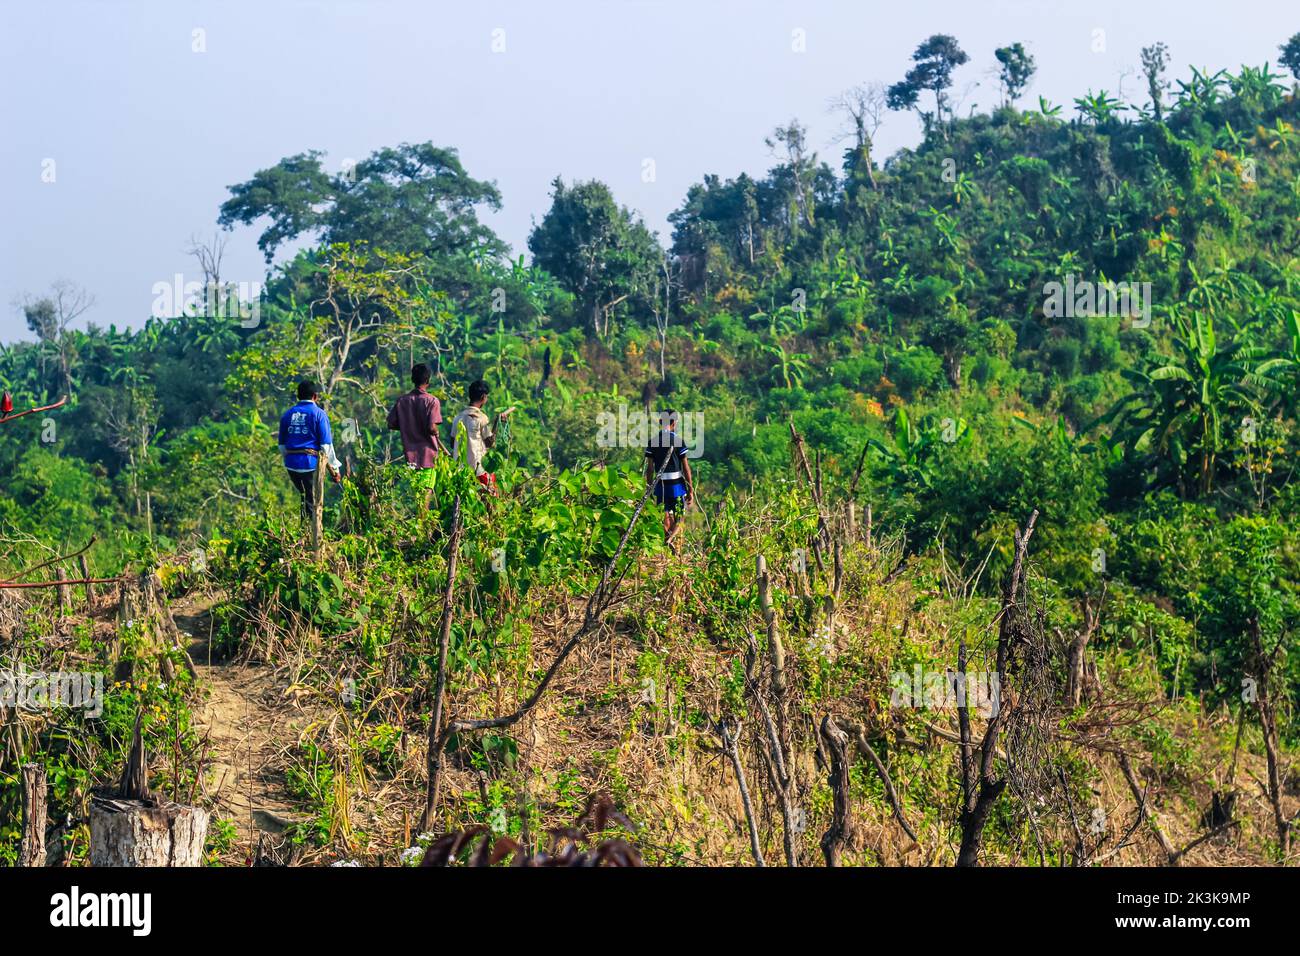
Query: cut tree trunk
x=133, y=829
x=135, y=833
x=35, y=816
x=839, y=834
x=1077, y=660
x=90, y=586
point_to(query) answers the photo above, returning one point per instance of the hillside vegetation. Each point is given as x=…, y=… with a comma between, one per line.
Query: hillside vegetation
x=931, y=445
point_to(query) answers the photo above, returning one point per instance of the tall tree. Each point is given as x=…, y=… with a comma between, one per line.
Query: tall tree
x=722, y=214
x=863, y=109
x=802, y=166
x=933, y=64
x=49, y=317
x=598, y=250
x=409, y=198
x=1155, y=59
x=1290, y=57
x=1016, y=71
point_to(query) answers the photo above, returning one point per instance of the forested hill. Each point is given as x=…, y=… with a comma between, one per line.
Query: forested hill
x=1088, y=310
x=836, y=295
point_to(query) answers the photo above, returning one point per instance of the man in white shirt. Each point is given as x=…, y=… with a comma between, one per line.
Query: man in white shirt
x=478, y=435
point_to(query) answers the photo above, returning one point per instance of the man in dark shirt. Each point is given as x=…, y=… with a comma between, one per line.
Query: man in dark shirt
x=417, y=416
x=674, y=488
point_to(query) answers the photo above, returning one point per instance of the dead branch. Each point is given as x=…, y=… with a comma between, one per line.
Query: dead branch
x=33, y=411
x=840, y=832
x=803, y=463
x=1076, y=663
x=978, y=800
x=860, y=741
x=444, y=642
x=857, y=472
x=54, y=560
x=1146, y=812
x=597, y=605
x=57, y=583
x=733, y=754
x=776, y=753
x=1209, y=835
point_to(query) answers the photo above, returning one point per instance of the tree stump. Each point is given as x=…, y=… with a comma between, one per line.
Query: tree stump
x=130, y=611
x=140, y=833
x=134, y=829
x=90, y=588
x=35, y=816
x=839, y=834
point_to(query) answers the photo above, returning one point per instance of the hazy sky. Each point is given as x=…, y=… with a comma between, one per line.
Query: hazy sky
x=146, y=134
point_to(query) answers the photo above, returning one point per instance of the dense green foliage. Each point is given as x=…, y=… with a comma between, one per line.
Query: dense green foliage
x=900, y=316
x=903, y=307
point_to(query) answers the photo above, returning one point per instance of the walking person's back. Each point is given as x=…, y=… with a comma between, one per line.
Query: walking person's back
x=416, y=416
x=304, y=438
x=668, y=468
x=478, y=433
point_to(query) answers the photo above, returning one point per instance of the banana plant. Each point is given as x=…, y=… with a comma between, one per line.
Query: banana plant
x=912, y=459
x=945, y=226
x=1202, y=90
x=790, y=367
x=1182, y=406
x=1279, y=134
x=964, y=188
x=1229, y=139
x=1257, y=87
x=1280, y=375
x=886, y=255
x=214, y=334
x=1099, y=108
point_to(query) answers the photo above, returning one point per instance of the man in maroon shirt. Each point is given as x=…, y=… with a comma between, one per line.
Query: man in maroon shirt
x=417, y=416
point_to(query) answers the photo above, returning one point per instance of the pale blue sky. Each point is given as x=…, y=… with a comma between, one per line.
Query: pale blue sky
x=146, y=134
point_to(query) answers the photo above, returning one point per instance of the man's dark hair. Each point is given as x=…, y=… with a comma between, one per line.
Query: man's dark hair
x=420, y=374
x=478, y=390
x=307, y=390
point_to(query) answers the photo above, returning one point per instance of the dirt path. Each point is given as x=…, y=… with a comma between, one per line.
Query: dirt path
x=241, y=719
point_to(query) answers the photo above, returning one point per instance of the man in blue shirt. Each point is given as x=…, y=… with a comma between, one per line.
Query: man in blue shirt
x=304, y=437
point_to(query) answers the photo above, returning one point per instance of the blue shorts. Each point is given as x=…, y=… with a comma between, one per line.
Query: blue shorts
x=671, y=495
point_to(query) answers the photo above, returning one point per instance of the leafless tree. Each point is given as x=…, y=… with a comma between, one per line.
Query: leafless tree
x=863, y=109
x=1265, y=662
x=209, y=254
x=661, y=302
x=793, y=139
x=981, y=783
x=50, y=316
x=131, y=416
